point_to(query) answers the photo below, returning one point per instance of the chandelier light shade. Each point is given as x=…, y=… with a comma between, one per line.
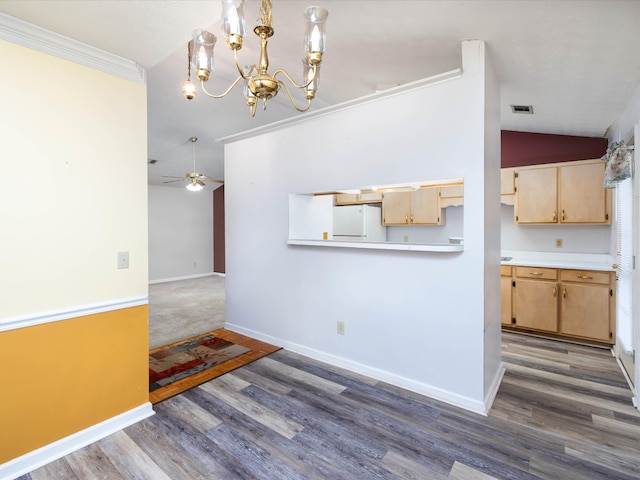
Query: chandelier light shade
x=188, y=88
x=234, y=25
x=202, y=57
x=258, y=82
x=315, y=37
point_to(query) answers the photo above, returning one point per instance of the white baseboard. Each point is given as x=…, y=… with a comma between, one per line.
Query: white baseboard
x=481, y=407
x=58, y=449
x=493, y=390
x=188, y=277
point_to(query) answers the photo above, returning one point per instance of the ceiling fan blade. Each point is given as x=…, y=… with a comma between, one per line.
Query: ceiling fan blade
x=172, y=181
x=210, y=180
x=171, y=176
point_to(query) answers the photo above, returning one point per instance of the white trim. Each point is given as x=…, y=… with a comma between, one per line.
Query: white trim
x=433, y=80
x=493, y=390
x=37, y=38
x=58, y=449
x=65, y=314
x=399, y=381
x=634, y=399
x=187, y=277
x=415, y=247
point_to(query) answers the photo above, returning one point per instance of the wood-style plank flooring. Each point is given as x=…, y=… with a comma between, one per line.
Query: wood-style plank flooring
x=563, y=411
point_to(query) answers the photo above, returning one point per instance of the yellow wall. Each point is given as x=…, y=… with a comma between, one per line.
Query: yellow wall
x=62, y=377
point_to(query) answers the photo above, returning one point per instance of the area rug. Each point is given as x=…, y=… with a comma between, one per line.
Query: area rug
x=177, y=367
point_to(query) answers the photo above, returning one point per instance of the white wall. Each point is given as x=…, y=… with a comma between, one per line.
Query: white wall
x=453, y=227
x=541, y=238
x=623, y=129
x=490, y=210
x=416, y=319
x=73, y=155
x=180, y=233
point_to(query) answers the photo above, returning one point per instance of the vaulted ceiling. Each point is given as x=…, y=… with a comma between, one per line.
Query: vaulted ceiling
x=574, y=61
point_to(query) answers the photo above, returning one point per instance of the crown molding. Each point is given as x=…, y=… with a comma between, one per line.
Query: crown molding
x=37, y=38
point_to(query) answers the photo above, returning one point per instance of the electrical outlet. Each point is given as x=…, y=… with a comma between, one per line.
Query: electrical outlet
x=195, y=264
x=340, y=328
x=558, y=243
x=123, y=259
x=405, y=239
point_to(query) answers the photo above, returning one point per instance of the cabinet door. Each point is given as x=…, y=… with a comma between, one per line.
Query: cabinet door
x=507, y=181
x=370, y=198
x=582, y=196
x=584, y=311
x=505, y=291
x=396, y=208
x=451, y=195
x=536, y=196
x=425, y=207
x=535, y=304
x=346, y=198
x=357, y=198
x=507, y=186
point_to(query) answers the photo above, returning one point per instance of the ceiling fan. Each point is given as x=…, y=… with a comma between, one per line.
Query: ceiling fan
x=196, y=180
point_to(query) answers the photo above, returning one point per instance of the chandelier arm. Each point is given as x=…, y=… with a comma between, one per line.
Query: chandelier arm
x=293, y=82
x=235, y=82
x=247, y=75
x=291, y=99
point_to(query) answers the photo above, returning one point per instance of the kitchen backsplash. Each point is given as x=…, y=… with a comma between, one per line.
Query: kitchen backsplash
x=542, y=238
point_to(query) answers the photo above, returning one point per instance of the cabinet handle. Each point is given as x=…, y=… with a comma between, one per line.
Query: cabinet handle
x=406, y=219
x=564, y=293
x=535, y=273
x=563, y=215
x=555, y=291
x=585, y=277
x=555, y=216
x=411, y=218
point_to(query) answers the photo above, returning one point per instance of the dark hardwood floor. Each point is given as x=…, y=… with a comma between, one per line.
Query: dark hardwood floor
x=563, y=411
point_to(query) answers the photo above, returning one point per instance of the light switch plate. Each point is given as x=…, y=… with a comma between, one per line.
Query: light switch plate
x=123, y=259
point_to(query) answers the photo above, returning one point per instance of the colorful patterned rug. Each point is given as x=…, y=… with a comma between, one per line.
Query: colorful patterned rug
x=183, y=365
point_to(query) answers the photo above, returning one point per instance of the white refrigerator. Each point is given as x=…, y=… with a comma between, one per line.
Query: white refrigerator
x=358, y=223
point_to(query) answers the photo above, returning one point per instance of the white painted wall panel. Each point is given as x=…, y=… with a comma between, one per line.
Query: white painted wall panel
x=180, y=233
x=416, y=319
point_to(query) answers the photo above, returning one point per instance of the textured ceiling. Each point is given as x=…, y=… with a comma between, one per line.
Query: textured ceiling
x=576, y=62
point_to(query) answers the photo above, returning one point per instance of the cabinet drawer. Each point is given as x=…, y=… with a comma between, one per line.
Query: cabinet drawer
x=535, y=272
x=505, y=271
x=585, y=276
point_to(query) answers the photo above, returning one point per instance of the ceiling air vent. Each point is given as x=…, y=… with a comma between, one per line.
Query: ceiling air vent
x=522, y=109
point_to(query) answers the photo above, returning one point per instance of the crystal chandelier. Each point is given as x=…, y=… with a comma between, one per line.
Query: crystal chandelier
x=258, y=82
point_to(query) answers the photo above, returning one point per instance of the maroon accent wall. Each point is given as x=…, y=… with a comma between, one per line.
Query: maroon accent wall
x=522, y=148
x=218, y=230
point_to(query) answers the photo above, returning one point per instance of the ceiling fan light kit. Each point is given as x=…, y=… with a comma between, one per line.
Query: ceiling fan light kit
x=258, y=82
x=195, y=180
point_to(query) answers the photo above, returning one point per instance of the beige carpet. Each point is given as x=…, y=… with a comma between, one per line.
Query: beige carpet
x=185, y=309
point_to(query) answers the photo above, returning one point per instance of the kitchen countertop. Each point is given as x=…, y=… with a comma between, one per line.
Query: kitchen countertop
x=576, y=261
x=415, y=247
